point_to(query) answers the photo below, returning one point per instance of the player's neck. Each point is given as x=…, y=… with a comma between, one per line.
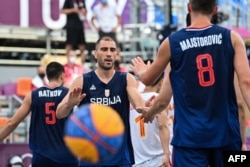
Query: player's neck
x=200, y=21
x=105, y=75
x=53, y=84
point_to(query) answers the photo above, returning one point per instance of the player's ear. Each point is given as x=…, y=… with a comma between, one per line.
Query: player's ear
x=189, y=7
x=95, y=53
x=215, y=10
x=62, y=78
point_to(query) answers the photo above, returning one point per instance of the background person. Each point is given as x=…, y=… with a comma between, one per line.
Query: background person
x=40, y=79
x=75, y=34
x=71, y=68
x=15, y=161
x=106, y=19
x=150, y=141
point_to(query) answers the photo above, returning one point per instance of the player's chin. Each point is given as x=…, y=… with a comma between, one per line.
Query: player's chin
x=108, y=66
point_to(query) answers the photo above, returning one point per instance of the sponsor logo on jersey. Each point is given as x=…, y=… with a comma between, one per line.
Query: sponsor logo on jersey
x=92, y=87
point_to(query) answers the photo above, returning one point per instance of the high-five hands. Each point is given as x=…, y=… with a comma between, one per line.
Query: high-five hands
x=138, y=66
x=146, y=116
x=76, y=96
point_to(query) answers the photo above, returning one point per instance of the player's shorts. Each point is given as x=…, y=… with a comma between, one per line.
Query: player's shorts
x=75, y=36
x=202, y=157
x=154, y=162
x=106, y=166
x=41, y=161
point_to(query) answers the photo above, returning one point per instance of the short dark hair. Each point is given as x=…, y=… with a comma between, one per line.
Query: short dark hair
x=188, y=19
x=105, y=38
x=54, y=70
x=203, y=6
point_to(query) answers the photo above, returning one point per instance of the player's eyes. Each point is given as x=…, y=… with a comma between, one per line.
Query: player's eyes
x=106, y=49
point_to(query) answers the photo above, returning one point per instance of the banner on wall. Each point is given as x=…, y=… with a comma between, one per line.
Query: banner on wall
x=46, y=13
x=9, y=150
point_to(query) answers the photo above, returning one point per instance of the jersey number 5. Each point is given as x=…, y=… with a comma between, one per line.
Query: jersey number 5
x=50, y=113
x=208, y=69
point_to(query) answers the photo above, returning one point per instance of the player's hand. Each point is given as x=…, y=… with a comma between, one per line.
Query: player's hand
x=145, y=114
x=84, y=12
x=166, y=161
x=76, y=96
x=75, y=10
x=138, y=66
x=244, y=147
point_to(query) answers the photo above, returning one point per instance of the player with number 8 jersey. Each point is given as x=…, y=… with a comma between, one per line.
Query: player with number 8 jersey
x=203, y=80
x=204, y=59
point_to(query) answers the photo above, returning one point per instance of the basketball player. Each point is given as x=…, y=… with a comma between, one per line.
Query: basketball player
x=242, y=108
x=109, y=87
x=46, y=131
x=150, y=141
x=203, y=59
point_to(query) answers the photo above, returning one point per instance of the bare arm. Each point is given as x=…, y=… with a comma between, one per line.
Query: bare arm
x=162, y=99
x=119, y=20
x=73, y=98
x=164, y=134
x=70, y=11
x=83, y=11
x=241, y=66
x=93, y=19
x=242, y=109
x=20, y=114
x=242, y=118
x=118, y=23
x=134, y=96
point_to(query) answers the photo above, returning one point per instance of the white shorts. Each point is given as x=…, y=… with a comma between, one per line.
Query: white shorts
x=154, y=162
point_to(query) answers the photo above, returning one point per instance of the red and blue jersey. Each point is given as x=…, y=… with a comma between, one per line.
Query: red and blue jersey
x=201, y=76
x=113, y=94
x=46, y=131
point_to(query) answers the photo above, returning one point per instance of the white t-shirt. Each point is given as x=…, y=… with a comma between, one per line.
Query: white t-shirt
x=148, y=146
x=106, y=16
x=170, y=122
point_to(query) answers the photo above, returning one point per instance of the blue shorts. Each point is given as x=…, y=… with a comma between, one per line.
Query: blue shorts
x=107, y=166
x=41, y=161
x=202, y=157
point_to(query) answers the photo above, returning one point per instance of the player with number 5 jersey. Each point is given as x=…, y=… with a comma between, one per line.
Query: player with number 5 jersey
x=46, y=131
